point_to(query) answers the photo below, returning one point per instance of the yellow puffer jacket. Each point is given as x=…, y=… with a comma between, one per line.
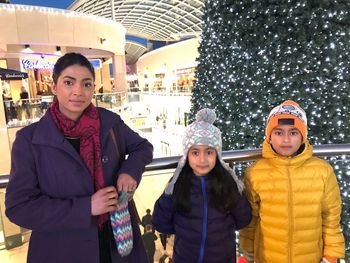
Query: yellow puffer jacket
x=296, y=209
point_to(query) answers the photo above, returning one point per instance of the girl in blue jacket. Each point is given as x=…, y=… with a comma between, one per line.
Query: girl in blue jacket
x=203, y=204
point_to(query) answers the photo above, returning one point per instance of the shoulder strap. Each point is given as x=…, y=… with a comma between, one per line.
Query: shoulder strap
x=112, y=133
x=132, y=204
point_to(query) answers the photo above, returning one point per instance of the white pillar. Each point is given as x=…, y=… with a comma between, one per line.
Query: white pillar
x=119, y=73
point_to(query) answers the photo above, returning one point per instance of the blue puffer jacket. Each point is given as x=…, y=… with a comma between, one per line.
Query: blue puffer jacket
x=204, y=235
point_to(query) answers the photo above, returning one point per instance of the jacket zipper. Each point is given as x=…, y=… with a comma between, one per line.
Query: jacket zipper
x=205, y=220
x=290, y=216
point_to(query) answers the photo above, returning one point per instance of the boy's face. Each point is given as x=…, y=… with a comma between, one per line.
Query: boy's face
x=286, y=140
x=202, y=159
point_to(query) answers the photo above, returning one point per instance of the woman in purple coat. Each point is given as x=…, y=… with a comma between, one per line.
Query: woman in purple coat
x=203, y=204
x=68, y=171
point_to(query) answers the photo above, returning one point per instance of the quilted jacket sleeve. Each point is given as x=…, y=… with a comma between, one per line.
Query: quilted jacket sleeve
x=331, y=210
x=163, y=214
x=242, y=212
x=247, y=234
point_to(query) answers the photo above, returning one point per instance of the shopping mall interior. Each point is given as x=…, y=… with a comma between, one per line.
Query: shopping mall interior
x=145, y=56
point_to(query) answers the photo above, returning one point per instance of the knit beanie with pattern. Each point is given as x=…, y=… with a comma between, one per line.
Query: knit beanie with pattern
x=202, y=132
x=287, y=110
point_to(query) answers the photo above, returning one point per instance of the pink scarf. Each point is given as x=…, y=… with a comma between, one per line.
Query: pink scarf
x=87, y=129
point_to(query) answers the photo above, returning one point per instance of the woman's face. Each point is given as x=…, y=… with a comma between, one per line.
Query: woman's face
x=74, y=89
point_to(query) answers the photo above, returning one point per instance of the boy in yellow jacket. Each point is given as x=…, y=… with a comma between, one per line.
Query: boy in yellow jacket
x=295, y=197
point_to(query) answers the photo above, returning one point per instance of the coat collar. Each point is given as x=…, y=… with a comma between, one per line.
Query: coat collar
x=48, y=134
x=269, y=153
x=108, y=120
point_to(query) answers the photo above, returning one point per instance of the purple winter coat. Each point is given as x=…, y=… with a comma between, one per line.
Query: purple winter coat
x=50, y=190
x=200, y=238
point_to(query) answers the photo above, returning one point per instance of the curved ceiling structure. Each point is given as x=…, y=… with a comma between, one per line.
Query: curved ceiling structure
x=162, y=20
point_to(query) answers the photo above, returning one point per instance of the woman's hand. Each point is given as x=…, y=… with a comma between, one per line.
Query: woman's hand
x=104, y=201
x=126, y=183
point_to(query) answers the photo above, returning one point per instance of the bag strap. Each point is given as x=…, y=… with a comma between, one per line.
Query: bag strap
x=132, y=204
x=112, y=133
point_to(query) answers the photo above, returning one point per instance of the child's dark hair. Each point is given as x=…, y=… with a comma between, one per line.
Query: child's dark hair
x=70, y=59
x=223, y=191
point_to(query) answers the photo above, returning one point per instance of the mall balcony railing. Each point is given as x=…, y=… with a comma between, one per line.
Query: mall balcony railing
x=165, y=166
x=235, y=156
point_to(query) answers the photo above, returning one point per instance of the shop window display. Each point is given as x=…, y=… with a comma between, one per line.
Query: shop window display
x=9, y=106
x=158, y=82
x=24, y=112
x=25, y=104
x=184, y=80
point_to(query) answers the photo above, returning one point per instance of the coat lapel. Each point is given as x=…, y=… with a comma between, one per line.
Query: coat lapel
x=106, y=123
x=46, y=133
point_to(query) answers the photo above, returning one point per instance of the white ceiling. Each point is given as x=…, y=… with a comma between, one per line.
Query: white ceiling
x=162, y=20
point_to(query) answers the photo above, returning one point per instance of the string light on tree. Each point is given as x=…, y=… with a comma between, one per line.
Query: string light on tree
x=255, y=54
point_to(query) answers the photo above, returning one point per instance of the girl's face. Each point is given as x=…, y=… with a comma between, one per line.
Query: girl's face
x=74, y=90
x=202, y=159
x=286, y=140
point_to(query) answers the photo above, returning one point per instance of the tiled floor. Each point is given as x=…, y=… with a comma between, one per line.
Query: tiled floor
x=15, y=255
x=19, y=254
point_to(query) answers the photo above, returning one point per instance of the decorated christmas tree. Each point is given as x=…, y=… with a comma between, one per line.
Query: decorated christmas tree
x=256, y=53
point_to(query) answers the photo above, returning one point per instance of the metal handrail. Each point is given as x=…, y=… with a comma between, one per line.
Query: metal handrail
x=231, y=156
x=249, y=155
x=4, y=180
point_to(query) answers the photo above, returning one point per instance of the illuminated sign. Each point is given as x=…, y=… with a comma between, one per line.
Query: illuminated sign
x=44, y=64
x=185, y=71
x=37, y=64
x=9, y=74
x=96, y=63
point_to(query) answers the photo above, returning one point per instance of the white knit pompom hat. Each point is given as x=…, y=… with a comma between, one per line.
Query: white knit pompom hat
x=202, y=132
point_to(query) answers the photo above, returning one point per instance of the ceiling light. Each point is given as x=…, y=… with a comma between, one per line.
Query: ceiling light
x=58, y=51
x=27, y=49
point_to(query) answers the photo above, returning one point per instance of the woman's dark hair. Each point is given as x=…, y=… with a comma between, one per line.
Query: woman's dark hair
x=222, y=189
x=70, y=59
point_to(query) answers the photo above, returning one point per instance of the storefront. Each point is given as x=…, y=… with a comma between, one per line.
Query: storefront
x=9, y=74
x=184, y=78
x=39, y=70
x=11, y=82
x=170, y=69
x=31, y=40
x=11, y=78
x=35, y=80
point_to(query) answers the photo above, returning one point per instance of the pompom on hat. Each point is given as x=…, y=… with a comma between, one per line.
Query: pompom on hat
x=287, y=110
x=201, y=132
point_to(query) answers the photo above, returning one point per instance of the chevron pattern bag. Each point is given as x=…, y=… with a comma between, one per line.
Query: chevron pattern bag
x=121, y=225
